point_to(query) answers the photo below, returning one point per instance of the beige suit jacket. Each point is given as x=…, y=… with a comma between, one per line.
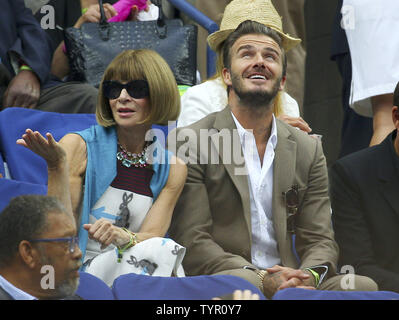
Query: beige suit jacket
x=212, y=218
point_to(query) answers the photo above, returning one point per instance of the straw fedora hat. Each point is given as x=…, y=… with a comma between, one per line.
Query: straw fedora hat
x=261, y=11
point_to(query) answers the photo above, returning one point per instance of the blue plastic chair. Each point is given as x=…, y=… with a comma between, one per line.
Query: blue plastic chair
x=141, y=287
x=11, y=188
x=93, y=288
x=204, y=22
x=303, y=294
x=2, y=169
x=22, y=163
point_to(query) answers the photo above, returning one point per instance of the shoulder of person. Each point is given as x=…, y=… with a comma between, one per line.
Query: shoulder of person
x=294, y=132
x=212, y=84
x=207, y=90
x=364, y=161
x=306, y=146
x=204, y=123
x=73, y=142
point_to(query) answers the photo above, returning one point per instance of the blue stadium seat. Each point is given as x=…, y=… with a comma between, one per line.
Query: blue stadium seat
x=2, y=169
x=11, y=188
x=22, y=163
x=93, y=288
x=141, y=287
x=303, y=294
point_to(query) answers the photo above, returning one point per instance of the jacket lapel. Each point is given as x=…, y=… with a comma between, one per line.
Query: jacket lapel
x=388, y=176
x=231, y=156
x=283, y=178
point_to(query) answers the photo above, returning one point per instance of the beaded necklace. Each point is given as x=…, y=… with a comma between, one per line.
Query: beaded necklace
x=129, y=159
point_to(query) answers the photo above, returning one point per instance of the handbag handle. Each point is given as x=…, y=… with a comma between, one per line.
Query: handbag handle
x=104, y=24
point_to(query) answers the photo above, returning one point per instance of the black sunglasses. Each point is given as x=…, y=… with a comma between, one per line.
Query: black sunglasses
x=137, y=89
x=291, y=198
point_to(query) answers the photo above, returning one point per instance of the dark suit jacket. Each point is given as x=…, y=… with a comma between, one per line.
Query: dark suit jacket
x=364, y=190
x=22, y=35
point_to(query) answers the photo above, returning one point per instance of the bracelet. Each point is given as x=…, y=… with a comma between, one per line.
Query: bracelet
x=132, y=242
x=132, y=234
x=315, y=275
x=25, y=67
x=84, y=10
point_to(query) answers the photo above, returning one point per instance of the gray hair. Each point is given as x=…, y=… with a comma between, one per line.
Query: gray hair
x=24, y=218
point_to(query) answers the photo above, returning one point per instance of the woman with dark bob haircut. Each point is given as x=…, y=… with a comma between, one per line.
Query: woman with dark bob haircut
x=119, y=181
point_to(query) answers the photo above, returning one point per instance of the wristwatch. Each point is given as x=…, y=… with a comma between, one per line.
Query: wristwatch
x=260, y=273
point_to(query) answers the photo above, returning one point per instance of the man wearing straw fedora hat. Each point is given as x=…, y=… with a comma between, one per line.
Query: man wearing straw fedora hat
x=239, y=212
x=293, y=16
x=210, y=96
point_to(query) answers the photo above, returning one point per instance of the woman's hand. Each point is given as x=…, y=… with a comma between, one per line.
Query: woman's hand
x=296, y=122
x=49, y=149
x=104, y=232
x=93, y=14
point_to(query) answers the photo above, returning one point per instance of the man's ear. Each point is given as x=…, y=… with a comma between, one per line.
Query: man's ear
x=28, y=254
x=395, y=116
x=226, y=77
x=282, y=83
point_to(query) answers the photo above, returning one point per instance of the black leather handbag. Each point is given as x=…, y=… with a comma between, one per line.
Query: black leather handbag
x=94, y=45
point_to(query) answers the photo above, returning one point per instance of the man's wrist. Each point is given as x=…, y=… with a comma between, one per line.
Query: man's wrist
x=25, y=67
x=315, y=276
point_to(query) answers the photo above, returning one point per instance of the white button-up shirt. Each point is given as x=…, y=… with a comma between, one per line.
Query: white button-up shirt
x=264, y=250
x=15, y=292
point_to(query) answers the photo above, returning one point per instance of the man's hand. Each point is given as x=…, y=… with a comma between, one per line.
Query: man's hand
x=23, y=91
x=279, y=277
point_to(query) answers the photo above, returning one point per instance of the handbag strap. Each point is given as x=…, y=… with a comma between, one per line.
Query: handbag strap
x=103, y=24
x=161, y=24
x=103, y=19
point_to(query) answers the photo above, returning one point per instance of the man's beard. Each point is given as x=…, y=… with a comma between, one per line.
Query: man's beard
x=62, y=290
x=255, y=98
x=67, y=288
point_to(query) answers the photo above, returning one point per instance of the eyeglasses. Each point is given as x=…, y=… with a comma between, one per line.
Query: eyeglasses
x=72, y=242
x=291, y=198
x=137, y=89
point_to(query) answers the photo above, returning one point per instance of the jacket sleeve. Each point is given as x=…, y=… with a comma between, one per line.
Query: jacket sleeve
x=31, y=45
x=315, y=241
x=352, y=232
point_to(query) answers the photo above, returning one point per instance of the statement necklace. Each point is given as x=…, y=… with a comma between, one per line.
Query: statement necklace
x=129, y=159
